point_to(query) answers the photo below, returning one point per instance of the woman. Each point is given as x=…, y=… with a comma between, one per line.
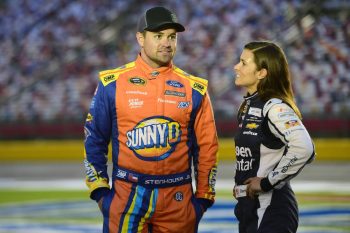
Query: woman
x=272, y=145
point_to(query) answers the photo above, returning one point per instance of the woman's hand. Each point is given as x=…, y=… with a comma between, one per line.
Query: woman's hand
x=253, y=186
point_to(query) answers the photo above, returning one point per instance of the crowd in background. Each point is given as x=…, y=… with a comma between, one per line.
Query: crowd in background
x=52, y=51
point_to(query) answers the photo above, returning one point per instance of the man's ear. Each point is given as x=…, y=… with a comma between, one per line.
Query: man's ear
x=262, y=73
x=140, y=38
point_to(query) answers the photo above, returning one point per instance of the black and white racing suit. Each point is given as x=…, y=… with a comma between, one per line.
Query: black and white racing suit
x=272, y=143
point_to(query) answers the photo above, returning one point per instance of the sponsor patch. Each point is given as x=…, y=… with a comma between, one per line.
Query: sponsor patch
x=160, y=100
x=198, y=87
x=252, y=126
x=243, y=152
x=285, y=109
x=108, y=79
x=254, y=119
x=291, y=123
x=132, y=177
x=174, y=93
x=254, y=111
x=121, y=174
x=250, y=133
x=137, y=81
x=135, y=103
x=178, y=196
x=212, y=178
x=245, y=108
x=90, y=171
x=89, y=118
x=174, y=83
x=275, y=173
x=154, y=73
x=183, y=104
x=286, y=115
x=136, y=93
x=154, y=138
x=244, y=165
x=290, y=163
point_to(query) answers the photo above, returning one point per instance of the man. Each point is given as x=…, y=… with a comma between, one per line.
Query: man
x=161, y=124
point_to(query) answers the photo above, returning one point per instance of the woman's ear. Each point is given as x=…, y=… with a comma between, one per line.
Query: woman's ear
x=262, y=73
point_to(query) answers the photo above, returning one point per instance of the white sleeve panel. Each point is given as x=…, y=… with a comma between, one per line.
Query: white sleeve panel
x=286, y=125
x=268, y=160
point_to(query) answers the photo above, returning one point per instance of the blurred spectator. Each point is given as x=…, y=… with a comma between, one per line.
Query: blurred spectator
x=51, y=50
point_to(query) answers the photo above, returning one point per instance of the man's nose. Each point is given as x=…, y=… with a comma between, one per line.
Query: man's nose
x=166, y=42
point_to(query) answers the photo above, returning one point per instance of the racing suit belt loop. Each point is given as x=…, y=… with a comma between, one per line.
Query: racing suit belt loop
x=153, y=181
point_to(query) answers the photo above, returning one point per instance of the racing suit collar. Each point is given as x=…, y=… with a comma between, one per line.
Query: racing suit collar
x=150, y=71
x=251, y=96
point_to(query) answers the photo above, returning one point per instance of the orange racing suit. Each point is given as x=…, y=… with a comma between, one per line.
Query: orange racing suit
x=161, y=125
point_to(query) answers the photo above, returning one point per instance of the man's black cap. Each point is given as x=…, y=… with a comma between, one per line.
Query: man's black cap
x=157, y=19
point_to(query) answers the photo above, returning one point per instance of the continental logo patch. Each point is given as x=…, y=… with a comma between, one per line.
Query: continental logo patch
x=154, y=138
x=252, y=126
x=137, y=81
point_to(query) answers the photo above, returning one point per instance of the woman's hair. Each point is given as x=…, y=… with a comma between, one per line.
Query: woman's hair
x=277, y=83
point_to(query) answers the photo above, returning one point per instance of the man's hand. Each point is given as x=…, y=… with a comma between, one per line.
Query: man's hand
x=253, y=186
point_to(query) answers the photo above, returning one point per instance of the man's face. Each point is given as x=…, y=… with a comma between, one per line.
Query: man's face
x=158, y=48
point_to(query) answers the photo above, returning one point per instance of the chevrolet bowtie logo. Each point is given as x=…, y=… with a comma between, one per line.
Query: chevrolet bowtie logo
x=252, y=126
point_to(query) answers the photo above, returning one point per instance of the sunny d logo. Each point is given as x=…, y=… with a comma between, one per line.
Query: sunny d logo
x=154, y=138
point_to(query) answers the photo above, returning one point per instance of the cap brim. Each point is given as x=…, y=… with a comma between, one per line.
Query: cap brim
x=178, y=27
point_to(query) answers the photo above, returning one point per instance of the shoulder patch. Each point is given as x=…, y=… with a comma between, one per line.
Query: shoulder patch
x=268, y=105
x=201, y=87
x=197, y=83
x=109, y=76
x=107, y=79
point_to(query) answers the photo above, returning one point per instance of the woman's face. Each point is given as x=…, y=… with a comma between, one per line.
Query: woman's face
x=246, y=72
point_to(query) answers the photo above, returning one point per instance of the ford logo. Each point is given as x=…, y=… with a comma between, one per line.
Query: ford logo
x=174, y=83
